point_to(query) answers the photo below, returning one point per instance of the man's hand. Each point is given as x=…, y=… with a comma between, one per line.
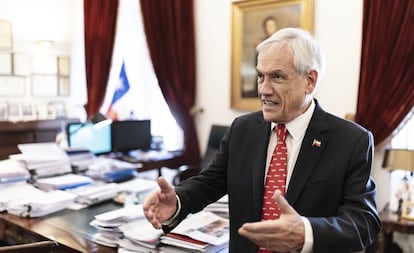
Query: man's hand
x=160, y=205
x=282, y=235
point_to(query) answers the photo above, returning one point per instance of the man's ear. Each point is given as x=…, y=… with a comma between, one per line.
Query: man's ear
x=311, y=79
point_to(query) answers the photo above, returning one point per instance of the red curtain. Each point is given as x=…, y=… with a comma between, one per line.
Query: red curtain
x=169, y=28
x=100, y=23
x=386, y=85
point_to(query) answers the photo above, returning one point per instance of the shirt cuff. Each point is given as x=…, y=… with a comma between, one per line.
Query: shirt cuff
x=173, y=220
x=308, y=244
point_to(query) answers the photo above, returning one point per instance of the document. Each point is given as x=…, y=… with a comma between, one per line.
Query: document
x=95, y=193
x=108, y=224
x=43, y=159
x=141, y=232
x=14, y=191
x=40, y=205
x=12, y=171
x=200, y=232
x=63, y=182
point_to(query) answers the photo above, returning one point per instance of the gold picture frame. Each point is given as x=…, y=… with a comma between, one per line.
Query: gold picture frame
x=407, y=210
x=248, y=29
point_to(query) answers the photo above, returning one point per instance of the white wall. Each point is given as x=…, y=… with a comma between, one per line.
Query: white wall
x=337, y=26
x=339, y=33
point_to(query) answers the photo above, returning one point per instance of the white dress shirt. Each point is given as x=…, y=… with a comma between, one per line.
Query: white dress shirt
x=295, y=132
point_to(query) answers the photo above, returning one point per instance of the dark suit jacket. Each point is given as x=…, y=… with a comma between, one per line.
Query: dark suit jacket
x=330, y=185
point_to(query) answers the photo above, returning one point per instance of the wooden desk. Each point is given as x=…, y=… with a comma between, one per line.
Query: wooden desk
x=69, y=228
x=392, y=223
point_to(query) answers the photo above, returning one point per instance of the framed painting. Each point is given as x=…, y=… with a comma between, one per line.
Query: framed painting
x=44, y=85
x=252, y=22
x=5, y=34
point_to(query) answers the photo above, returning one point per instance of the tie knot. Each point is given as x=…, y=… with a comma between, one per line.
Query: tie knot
x=281, y=132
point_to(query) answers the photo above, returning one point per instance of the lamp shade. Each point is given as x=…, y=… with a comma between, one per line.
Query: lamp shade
x=399, y=159
x=99, y=120
x=96, y=118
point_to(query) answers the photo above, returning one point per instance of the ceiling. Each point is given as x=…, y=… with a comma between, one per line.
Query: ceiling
x=40, y=19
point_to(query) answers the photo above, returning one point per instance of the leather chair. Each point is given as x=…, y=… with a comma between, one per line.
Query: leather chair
x=32, y=247
x=187, y=171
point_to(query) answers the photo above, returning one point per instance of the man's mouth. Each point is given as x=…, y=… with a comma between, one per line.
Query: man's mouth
x=269, y=102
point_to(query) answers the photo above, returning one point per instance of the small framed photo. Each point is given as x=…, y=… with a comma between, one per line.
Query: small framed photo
x=59, y=109
x=63, y=66
x=14, y=112
x=28, y=112
x=5, y=34
x=3, y=111
x=408, y=210
x=64, y=86
x=5, y=64
x=22, y=64
x=12, y=86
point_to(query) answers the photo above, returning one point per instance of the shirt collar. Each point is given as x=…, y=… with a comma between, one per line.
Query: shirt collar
x=298, y=126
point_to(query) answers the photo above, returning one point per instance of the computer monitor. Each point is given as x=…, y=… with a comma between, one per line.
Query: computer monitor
x=95, y=138
x=129, y=135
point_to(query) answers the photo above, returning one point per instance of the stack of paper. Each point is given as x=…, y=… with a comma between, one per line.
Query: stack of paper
x=139, y=236
x=200, y=232
x=63, y=182
x=40, y=204
x=95, y=193
x=14, y=191
x=108, y=224
x=111, y=170
x=80, y=159
x=12, y=171
x=43, y=159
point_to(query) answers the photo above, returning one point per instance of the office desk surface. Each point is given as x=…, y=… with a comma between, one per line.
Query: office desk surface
x=70, y=228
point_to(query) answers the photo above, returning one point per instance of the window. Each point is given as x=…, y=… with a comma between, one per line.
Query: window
x=404, y=137
x=401, y=181
x=144, y=99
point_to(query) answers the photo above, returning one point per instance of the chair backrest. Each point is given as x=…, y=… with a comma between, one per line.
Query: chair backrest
x=214, y=139
x=216, y=134
x=33, y=247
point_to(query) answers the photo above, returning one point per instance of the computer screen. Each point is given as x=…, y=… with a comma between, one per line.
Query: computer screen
x=95, y=138
x=131, y=135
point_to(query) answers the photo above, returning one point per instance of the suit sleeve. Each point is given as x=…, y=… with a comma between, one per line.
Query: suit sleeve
x=356, y=224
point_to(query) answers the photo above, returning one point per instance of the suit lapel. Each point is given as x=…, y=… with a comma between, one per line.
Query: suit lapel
x=314, y=142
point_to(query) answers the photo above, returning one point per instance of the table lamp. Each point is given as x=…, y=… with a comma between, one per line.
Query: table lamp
x=400, y=159
x=97, y=120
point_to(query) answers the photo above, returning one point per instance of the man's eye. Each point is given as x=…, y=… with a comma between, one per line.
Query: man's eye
x=277, y=76
x=260, y=77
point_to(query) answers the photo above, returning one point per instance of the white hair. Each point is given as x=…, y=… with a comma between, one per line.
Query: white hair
x=306, y=52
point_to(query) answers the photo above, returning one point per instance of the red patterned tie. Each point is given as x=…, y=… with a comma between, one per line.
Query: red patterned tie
x=275, y=179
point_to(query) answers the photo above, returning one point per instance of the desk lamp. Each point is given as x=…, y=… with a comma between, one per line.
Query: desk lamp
x=400, y=159
x=98, y=120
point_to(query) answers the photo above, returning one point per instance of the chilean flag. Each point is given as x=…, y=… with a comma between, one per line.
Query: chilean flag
x=121, y=89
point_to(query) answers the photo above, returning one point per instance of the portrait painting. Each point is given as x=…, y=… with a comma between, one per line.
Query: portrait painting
x=252, y=22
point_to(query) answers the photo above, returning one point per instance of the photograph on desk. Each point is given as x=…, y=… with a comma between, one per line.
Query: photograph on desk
x=408, y=210
x=401, y=191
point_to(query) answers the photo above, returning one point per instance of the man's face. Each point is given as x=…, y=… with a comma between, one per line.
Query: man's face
x=270, y=27
x=284, y=93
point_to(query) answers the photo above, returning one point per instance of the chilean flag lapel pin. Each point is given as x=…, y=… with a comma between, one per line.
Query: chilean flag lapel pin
x=316, y=143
